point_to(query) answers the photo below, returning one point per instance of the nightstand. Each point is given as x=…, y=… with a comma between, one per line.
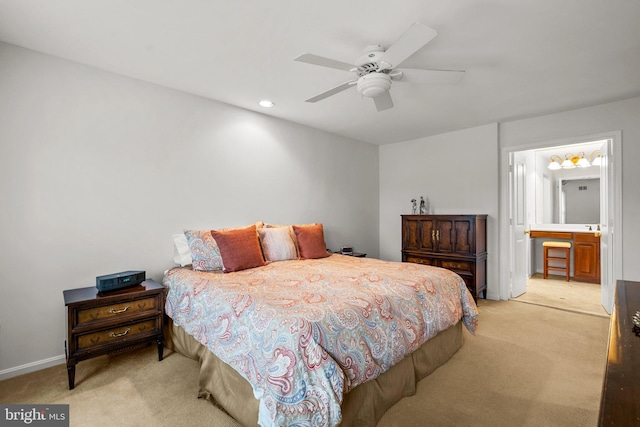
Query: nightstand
x=355, y=254
x=106, y=323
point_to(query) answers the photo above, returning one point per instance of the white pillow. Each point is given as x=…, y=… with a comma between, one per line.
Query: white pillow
x=181, y=252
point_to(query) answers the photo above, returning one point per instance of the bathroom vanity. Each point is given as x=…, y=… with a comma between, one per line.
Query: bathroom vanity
x=585, y=241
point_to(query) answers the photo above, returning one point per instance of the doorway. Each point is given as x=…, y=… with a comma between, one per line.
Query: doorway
x=524, y=206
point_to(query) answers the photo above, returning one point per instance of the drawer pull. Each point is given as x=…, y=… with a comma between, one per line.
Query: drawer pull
x=114, y=335
x=114, y=311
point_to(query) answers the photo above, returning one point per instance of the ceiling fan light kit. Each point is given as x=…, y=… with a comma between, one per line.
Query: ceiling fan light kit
x=375, y=84
x=376, y=68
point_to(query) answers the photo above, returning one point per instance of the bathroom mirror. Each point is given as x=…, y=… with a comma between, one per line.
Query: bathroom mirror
x=579, y=201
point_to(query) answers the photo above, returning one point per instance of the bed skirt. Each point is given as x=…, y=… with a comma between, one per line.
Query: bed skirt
x=363, y=406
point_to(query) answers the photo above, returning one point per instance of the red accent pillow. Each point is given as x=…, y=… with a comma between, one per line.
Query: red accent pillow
x=239, y=248
x=311, y=241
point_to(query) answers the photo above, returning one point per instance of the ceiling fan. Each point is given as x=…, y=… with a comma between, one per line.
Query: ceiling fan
x=376, y=68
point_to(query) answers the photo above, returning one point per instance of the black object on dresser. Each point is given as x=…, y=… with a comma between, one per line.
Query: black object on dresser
x=454, y=242
x=114, y=281
x=104, y=323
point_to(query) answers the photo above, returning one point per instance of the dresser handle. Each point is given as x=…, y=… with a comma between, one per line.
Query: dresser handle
x=433, y=235
x=114, y=335
x=438, y=235
x=114, y=311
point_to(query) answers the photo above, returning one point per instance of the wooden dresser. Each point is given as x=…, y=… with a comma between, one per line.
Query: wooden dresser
x=454, y=242
x=104, y=323
x=620, y=402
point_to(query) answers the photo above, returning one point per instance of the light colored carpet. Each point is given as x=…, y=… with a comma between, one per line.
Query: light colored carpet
x=127, y=389
x=87, y=408
x=556, y=292
x=527, y=365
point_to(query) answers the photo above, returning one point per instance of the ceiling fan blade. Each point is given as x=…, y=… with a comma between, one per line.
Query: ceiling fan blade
x=413, y=75
x=332, y=91
x=310, y=58
x=383, y=102
x=409, y=43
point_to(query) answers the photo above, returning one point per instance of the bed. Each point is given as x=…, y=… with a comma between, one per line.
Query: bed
x=288, y=334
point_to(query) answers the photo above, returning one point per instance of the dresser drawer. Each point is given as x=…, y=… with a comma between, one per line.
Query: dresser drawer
x=419, y=260
x=457, y=266
x=117, y=333
x=116, y=310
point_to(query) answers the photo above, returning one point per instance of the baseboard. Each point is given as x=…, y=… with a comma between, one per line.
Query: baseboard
x=32, y=367
x=492, y=296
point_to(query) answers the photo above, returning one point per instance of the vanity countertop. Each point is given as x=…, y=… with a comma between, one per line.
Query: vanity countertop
x=567, y=228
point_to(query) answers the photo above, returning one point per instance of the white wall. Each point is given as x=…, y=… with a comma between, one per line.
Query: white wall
x=456, y=171
x=97, y=171
x=616, y=116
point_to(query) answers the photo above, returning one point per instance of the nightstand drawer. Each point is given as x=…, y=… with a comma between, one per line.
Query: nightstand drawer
x=116, y=310
x=117, y=333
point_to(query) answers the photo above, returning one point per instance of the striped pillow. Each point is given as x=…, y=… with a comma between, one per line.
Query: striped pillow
x=277, y=244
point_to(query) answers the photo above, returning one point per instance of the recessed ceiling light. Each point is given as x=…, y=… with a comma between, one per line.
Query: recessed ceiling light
x=266, y=103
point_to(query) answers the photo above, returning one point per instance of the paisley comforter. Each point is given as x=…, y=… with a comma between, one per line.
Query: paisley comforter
x=305, y=332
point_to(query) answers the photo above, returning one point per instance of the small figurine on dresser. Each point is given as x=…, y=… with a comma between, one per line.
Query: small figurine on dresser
x=424, y=206
x=414, y=206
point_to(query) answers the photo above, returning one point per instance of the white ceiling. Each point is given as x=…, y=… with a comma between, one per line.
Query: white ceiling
x=522, y=58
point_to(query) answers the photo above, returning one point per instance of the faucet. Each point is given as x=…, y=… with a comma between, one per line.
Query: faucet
x=590, y=229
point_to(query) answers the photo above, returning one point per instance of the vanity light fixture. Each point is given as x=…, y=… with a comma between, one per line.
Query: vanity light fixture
x=266, y=103
x=570, y=161
x=583, y=162
x=555, y=164
x=574, y=160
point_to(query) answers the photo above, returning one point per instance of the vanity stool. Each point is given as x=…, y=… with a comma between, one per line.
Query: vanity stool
x=553, y=262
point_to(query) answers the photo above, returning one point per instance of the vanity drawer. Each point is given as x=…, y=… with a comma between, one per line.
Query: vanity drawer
x=586, y=238
x=551, y=234
x=123, y=309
